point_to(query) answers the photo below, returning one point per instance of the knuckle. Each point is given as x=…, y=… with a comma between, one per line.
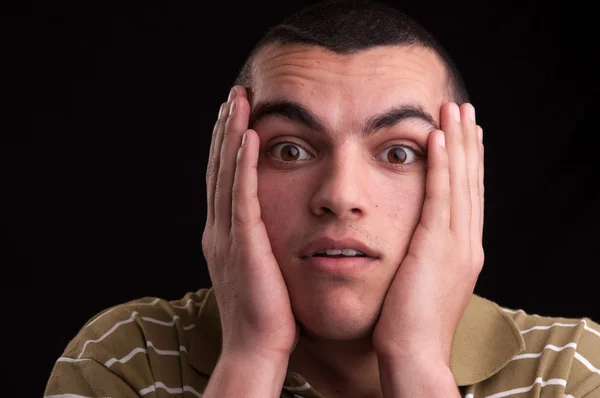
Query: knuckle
x=243, y=224
x=240, y=221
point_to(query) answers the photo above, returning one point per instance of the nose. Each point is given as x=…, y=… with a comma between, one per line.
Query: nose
x=340, y=191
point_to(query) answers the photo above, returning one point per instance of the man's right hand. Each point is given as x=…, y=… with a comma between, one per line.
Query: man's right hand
x=253, y=300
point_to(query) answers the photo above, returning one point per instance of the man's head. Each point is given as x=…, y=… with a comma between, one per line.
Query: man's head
x=350, y=26
x=343, y=98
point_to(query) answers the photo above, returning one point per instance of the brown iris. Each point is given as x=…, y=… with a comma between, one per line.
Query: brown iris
x=397, y=155
x=289, y=153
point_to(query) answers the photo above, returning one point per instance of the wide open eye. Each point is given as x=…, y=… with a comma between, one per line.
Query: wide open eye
x=288, y=152
x=399, y=155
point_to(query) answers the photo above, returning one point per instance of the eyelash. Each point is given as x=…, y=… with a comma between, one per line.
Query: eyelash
x=418, y=153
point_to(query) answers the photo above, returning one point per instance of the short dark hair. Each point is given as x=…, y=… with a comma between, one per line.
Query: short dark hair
x=349, y=26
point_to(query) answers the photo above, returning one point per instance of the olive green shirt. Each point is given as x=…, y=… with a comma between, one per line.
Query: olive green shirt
x=156, y=348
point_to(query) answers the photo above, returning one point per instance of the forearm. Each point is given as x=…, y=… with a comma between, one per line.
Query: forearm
x=248, y=376
x=417, y=379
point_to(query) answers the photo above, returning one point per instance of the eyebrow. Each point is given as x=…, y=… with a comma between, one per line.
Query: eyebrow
x=299, y=114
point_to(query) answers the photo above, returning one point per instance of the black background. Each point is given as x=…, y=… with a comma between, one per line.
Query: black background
x=109, y=111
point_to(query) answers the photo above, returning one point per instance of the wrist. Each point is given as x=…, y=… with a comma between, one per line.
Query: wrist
x=262, y=357
x=420, y=349
x=265, y=364
x=256, y=374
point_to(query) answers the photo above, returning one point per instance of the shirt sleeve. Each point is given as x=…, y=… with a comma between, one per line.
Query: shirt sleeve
x=130, y=350
x=85, y=378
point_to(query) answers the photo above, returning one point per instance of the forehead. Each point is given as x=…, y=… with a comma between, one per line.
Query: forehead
x=361, y=83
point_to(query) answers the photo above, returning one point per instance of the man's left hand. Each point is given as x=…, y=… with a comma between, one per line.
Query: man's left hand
x=434, y=283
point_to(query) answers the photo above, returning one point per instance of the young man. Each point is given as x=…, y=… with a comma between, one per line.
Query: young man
x=343, y=239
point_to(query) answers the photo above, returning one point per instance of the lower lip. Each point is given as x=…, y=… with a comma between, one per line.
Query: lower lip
x=339, y=265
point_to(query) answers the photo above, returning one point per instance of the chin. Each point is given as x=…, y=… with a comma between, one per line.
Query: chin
x=335, y=318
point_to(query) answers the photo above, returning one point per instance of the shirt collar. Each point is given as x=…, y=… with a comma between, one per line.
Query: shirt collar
x=486, y=339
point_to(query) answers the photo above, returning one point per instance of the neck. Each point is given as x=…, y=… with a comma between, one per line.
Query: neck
x=337, y=368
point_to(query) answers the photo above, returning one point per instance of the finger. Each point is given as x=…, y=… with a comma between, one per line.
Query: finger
x=481, y=180
x=245, y=207
x=436, y=207
x=460, y=196
x=235, y=126
x=471, y=140
x=213, y=162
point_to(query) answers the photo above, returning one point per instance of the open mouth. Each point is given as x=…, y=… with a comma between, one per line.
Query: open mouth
x=345, y=253
x=341, y=248
x=336, y=262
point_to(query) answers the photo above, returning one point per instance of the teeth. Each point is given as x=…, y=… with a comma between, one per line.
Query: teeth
x=345, y=252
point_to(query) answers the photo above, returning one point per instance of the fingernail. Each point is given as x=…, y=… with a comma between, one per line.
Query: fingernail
x=232, y=108
x=232, y=94
x=472, y=112
x=244, y=138
x=455, y=112
x=441, y=139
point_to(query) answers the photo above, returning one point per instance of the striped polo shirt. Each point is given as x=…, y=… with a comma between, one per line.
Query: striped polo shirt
x=151, y=347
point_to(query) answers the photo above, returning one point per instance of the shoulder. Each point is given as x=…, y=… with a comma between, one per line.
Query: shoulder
x=141, y=342
x=561, y=355
x=150, y=320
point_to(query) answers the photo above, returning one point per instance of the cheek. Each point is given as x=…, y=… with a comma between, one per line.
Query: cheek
x=281, y=198
x=283, y=202
x=402, y=206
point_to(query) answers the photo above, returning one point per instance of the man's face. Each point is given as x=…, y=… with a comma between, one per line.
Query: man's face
x=347, y=174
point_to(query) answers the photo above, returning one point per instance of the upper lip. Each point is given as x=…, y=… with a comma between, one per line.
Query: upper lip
x=326, y=242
